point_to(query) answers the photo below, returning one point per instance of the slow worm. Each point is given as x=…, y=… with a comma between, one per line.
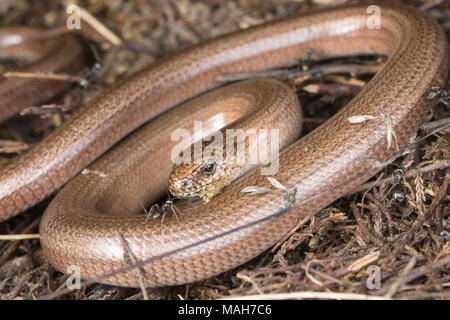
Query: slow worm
x=93, y=219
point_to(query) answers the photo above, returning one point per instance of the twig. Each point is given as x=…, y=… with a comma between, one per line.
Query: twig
x=422, y=218
x=363, y=227
x=428, y=126
x=420, y=271
x=14, y=147
x=383, y=209
x=14, y=237
x=132, y=259
x=100, y=27
x=411, y=173
x=431, y=4
x=287, y=235
x=323, y=70
x=15, y=243
x=401, y=279
x=42, y=75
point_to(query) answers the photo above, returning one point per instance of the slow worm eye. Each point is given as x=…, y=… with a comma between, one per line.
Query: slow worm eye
x=209, y=168
x=185, y=184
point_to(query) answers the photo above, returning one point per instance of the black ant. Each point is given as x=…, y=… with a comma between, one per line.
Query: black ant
x=162, y=210
x=397, y=176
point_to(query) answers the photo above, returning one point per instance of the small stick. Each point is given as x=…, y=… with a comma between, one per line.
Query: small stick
x=401, y=279
x=8, y=146
x=435, y=166
x=422, y=218
x=290, y=233
x=430, y=4
x=139, y=272
x=429, y=126
x=100, y=27
x=42, y=75
x=13, y=245
x=323, y=70
x=362, y=225
x=14, y=237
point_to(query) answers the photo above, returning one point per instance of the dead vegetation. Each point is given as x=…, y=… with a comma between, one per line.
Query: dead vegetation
x=398, y=222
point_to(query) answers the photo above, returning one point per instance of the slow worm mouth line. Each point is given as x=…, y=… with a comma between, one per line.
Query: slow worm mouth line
x=317, y=164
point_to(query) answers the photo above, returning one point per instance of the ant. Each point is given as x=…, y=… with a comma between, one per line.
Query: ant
x=165, y=207
x=397, y=176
